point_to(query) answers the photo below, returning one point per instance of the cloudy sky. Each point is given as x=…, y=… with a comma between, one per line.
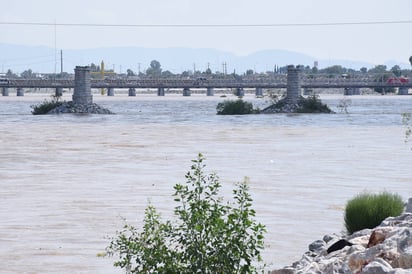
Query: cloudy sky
x=292, y=25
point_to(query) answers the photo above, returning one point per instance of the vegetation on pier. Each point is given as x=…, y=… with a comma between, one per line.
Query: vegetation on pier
x=47, y=105
x=311, y=104
x=235, y=107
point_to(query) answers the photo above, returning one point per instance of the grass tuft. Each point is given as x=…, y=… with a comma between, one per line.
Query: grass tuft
x=369, y=210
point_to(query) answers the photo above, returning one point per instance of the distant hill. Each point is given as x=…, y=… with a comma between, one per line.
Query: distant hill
x=43, y=59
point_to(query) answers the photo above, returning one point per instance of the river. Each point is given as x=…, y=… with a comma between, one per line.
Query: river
x=67, y=182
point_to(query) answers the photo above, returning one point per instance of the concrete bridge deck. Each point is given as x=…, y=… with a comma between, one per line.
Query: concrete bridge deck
x=279, y=82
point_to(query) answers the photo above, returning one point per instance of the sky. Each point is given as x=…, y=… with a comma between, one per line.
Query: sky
x=374, y=43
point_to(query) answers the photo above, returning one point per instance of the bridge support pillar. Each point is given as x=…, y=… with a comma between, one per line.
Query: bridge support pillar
x=259, y=92
x=5, y=91
x=186, y=92
x=352, y=91
x=20, y=92
x=240, y=92
x=210, y=92
x=132, y=92
x=403, y=91
x=307, y=91
x=58, y=92
x=82, y=88
x=293, y=88
x=161, y=92
x=110, y=92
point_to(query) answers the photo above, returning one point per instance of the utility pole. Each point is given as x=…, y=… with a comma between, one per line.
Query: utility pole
x=61, y=61
x=224, y=68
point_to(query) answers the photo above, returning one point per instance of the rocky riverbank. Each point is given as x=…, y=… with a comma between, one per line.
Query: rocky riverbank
x=386, y=249
x=72, y=107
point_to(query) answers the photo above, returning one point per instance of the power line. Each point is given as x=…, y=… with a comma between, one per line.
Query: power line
x=206, y=25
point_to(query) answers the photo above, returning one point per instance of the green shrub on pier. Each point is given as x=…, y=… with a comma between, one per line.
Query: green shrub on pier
x=312, y=104
x=235, y=107
x=46, y=105
x=369, y=210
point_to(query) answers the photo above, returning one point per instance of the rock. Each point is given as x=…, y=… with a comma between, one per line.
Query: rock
x=377, y=237
x=384, y=249
x=71, y=107
x=338, y=245
x=378, y=266
x=405, y=249
x=317, y=246
x=328, y=238
x=409, y=206
x=289, y=270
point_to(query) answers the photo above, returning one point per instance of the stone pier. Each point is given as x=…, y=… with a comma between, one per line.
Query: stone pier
x=82, y=89
x=186, y=92
x=20, y=92
x=82, y=99
x=161, y=92
x=5, y=91
x=132, y=92
x=293, y=89
x=110, y=92
x=210, y=92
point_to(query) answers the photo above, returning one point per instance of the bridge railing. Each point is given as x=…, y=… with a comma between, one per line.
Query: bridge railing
x=278, y=81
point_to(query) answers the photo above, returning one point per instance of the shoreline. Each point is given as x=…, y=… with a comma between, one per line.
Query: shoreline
x=384, y=249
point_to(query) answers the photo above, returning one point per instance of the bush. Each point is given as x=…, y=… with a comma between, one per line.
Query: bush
x=46, y=106
x=209, y=237
x=369, y=210
x=312, y=104
x=237, y=107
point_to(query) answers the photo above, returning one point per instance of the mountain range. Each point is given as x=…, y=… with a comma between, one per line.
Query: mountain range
x=46, y=60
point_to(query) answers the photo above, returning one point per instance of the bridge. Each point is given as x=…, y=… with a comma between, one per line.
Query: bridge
x=306, y=81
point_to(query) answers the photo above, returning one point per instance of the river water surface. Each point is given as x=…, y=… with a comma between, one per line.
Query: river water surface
x=68, y=181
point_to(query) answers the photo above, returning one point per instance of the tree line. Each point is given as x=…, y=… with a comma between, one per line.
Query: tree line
x=155, y=70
